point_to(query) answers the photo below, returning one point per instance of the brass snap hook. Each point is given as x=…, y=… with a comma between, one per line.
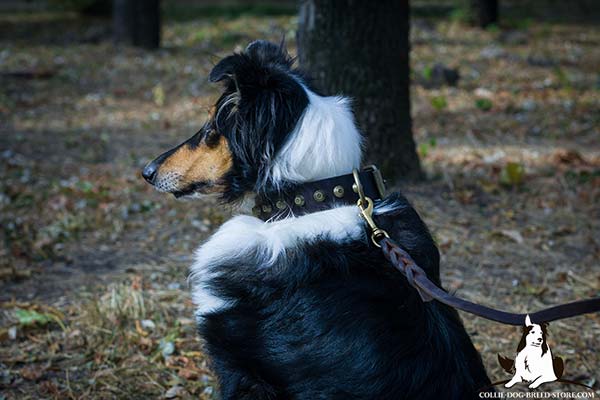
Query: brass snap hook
x=365, y=205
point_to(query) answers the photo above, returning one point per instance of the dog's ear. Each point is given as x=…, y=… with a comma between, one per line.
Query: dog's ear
x=267, y=53
x=225, y=68
x=254, y=65
x=528, y=321
x=262, y=103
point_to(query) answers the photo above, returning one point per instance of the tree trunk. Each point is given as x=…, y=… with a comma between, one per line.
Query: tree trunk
x=98, y=8
x=361, y=50
x=123, y=17
x=147, y=32
x=484, y=12
x=137, y=22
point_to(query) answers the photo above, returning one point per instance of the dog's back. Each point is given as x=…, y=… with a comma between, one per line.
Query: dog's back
x=330, y=319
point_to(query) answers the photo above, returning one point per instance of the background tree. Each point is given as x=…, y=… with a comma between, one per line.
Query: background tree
x=484, y=12
x=137, y=22
x=361, y=50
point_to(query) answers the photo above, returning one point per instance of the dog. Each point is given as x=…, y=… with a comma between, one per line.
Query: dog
x=534, y=362
x=300, y=304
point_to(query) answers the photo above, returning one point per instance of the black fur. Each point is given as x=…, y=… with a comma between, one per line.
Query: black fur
x=329, y=320
x=259, y=108
x=335, y=321
x=269, y=102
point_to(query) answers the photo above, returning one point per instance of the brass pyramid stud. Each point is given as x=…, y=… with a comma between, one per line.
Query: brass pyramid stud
x=299, y=200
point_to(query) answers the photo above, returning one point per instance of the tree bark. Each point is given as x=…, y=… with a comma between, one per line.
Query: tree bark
x=98, y=8
x=484, y=12
x=147, y=32
x=361, y=50
x=123, y=17
x=137, y=22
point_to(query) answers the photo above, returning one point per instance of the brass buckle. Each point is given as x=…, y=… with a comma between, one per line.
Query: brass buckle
x=379, y=182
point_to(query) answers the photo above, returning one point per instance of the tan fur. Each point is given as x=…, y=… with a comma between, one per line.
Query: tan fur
x=202, y=164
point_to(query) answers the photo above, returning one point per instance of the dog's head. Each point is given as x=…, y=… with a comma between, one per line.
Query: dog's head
x=265, y=129
x=534, y=335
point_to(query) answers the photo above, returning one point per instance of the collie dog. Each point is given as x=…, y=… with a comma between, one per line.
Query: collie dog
x=299, y=304
x=534, y=363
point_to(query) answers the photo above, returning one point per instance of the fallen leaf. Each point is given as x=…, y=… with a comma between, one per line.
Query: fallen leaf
x=167, y=348
x=158, y=95
x=512, y=174
x=190, y=374
x=32, y=372
x=48, y=387
x=513, y=234
x=148, y=324
x=173, y=392
x=12, y=332
x=139, y=329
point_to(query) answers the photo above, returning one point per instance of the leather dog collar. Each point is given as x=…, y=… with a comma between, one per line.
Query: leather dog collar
x=319, y=195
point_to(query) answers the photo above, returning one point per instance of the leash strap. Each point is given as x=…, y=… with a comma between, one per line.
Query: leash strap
x=429, y=291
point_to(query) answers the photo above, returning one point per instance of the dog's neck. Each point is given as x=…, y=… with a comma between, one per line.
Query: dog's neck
x=300, y=199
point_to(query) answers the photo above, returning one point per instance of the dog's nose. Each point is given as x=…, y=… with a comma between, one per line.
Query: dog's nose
x=149, y=172
x=539, y=339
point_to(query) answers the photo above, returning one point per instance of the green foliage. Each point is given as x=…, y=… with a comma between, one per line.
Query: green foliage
x=461, y=14
x=426, y=146
x=522, y=23
x=32, y=317
x=562, y=77
x=439, y=103
x=158, y=95
x=512, y=174
x=427, y=72
x=493, y=28
x=85, y=186
x=582, y=177
x=484, y=104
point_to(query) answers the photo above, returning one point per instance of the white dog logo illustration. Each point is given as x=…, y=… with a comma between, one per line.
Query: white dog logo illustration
x=534, y=362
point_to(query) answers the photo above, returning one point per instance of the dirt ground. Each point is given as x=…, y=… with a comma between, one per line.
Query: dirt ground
x=93, y=262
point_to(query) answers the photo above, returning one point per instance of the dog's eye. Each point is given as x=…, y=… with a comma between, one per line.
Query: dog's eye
x=212, y=137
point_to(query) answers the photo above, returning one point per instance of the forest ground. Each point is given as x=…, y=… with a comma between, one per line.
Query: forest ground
x=93, y=262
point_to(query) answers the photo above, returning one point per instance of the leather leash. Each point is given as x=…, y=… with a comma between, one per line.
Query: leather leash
x=429, y=291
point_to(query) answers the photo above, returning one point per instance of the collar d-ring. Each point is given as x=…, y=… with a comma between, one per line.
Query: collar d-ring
x=359, y=188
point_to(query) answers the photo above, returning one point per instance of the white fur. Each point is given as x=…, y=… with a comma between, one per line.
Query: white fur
x=325, y=143
x=244, y=234
x=531, y=365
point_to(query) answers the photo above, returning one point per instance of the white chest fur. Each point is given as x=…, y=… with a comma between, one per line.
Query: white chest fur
x=244, y=234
